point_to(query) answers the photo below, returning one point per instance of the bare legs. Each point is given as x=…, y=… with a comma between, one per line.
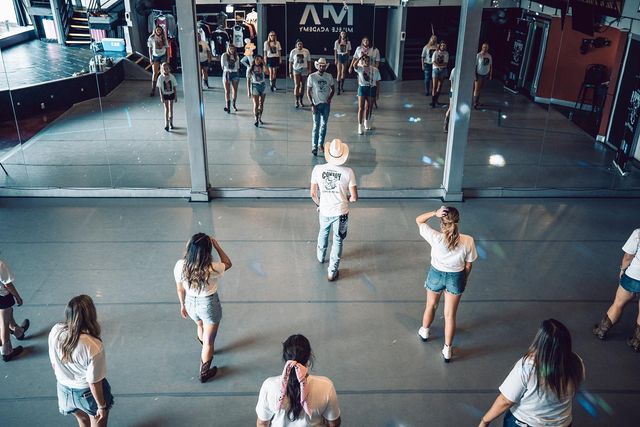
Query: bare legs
x=258, y=108
x=451, y=303
x=230, y=87
x=622, y=298
x=168, y=114
x=204, y=72
x=5, y=333
x=273, y=75
x=477, y=87
x=437, y=84
x=340, y=76
x=207, y=334
x=155, y=66
x=298, y=89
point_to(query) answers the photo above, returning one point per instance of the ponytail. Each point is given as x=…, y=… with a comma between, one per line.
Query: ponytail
x=449, y=227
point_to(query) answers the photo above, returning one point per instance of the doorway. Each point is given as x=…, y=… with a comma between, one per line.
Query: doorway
x=533, y=57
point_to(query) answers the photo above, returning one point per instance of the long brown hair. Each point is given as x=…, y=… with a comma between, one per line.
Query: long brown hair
x=197, y=261
x=80, y=318
x=449, y=227
x=298, y=348
x=557, y=368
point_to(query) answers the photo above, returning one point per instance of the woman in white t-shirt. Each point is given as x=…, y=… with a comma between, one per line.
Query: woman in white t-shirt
x=168, y=86
x=368, y=91
x=341, y=52
x=440, y=62
x=295, y=398
x=77, y=356
x=451, y=256
x=628, y=287
x=273, y=52
x=157, y=44
x=299, y=67
x=484, y=72
x=426, y=59
x=205, y=57
x=196, y=277
x=230, y=61
x=256, y=87
x=540, y=388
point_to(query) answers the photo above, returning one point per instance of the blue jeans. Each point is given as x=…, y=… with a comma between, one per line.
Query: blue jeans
x=339, y=226
x=72, y=399
x=320, y=118
x=428, y=69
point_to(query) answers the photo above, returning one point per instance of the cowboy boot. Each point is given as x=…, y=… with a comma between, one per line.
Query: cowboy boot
x=634, y=340
x=602, y=328
x=205, y=372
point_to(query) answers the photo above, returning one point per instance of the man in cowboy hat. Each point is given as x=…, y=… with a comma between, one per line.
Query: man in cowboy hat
x=333, y=186
x=320, y=90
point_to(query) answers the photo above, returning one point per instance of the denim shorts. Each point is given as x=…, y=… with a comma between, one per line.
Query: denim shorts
x=257, y=89
x=7, y=301
x=629, y=284
x=300, y=72
x=231, y=76
x=482, y=76
x=207, y=309
x=160, y=59
x=73, y=399
x=439, y=73
x=273, y=62
x=343, y=58
x=369, y=91
x=437, y=281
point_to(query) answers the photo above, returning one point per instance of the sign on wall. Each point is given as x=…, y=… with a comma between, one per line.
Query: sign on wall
x=518, y=39
x=319, y=24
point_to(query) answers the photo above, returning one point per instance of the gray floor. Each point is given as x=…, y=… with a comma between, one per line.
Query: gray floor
x=537, y=259
x=119, y=141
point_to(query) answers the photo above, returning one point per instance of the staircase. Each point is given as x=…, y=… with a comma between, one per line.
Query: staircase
x=412, y=68
x=140, y=60
x=79, y=33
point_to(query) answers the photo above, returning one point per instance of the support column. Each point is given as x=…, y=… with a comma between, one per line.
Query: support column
x=468, y=35
x=192, y=99
x=135, y=34
x=57, y=20
x=262, y=28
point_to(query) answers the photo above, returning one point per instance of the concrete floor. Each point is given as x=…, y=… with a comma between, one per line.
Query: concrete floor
x=119, y=141
x=537, y=259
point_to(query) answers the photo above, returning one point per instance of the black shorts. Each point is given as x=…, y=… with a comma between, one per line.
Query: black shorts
x=273, y=62
x=7, y=301
x=169, y=97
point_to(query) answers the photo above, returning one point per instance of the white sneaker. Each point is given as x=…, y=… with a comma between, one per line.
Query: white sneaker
x=423, y=333
x=360, y=131
x=367, y=125
x=446, y=353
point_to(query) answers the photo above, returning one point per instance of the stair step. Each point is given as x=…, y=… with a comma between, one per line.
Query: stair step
x=80, y=18
x=80, y=34
x=78, y=41
x=83, y=27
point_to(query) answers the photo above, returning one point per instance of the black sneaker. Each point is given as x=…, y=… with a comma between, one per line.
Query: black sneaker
x=166, y=128
x=314, y=151
x=15, y=353
x=25, y=326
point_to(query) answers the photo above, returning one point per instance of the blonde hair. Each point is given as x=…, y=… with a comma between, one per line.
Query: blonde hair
x=80, y=318
x=433, y=41
x=449, y=227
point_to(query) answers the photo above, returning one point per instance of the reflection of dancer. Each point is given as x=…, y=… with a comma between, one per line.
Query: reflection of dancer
x=77, y=356
x=333, y=186
x=205, y=57
x=299, y=67
x=341, y=52
x=484, y=71
x=427, y=62
x=320, y=90
x=273, y=52
x=367, y=49
x=540, y=388
x=196, y=277
x=256, y=87
x=440, y=60
x=295, y=397
x=628, y=286
x=368, y=91
x=168, y=87
x=157, y=44
x=230, y=76
x=451, y=256
x=448, y=113
x=9, y=297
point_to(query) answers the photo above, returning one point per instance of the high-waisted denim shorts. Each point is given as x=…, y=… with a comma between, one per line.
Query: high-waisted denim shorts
x=207, y=309
x=438, y=281
x=629, y=284
x=73, y=399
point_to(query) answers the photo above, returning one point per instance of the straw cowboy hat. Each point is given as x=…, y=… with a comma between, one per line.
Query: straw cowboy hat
x=337, y=153
x=320, y=61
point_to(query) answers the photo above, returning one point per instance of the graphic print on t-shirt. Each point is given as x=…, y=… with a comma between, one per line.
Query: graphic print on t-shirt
x=272, y=48
x=167, y=86
x=231, y=60
x=299, y=58
x=343, y=48
x=440, y=59
x=323, y=86
x=485, y=61
x=330, y=180
x=258, y=75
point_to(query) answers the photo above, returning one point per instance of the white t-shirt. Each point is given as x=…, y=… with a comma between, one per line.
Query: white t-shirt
x=300, y=58
x=536, y=408
x=427, y=54
x=272, y=49
x=167, y=84
x=6, y=277
x=342, y=48
x=631, y=247
x=157, y=49
x=257, y=75
x=444, y=259
x=322, y=400
x=372, y=52
x=88, y=364
x=333, y=183
x=230, y=64
x=210, y=288
x=440, y=58
x=367, y=76
x=320, y=87
x=483, y=63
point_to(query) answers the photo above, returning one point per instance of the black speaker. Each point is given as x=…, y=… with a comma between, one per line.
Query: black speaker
x=583, y=17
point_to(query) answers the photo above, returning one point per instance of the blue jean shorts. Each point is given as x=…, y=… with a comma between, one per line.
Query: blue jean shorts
x=629, y=284
x=257, y=89
x=343, y=58
x=231, y=76
x=160, y=59
x=73, y=399
x=207, y=309
x=437, y=281
x=369, y=91
x=439, y=73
